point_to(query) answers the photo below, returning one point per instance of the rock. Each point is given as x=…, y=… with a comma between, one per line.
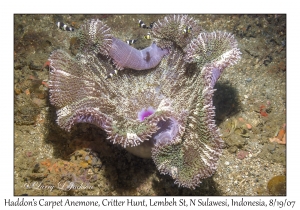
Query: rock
x=242, y=154
x=235, y=140
x=248, y=126
x=271, y=148
x=232, y=149
x=277, y=185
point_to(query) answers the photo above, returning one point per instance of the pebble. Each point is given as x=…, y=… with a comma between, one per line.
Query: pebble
x=249, y=126
x=241, y=119
x=27, y=92
x=39, y=102
x=248, y=79
x=18, y=91
x=271, y=148
x=227, y=163
x=90, y=172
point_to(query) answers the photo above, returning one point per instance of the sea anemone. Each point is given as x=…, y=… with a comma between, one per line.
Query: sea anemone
x=165, y=112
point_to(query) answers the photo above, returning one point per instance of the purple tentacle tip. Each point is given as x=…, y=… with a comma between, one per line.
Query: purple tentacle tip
x=145, y=113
